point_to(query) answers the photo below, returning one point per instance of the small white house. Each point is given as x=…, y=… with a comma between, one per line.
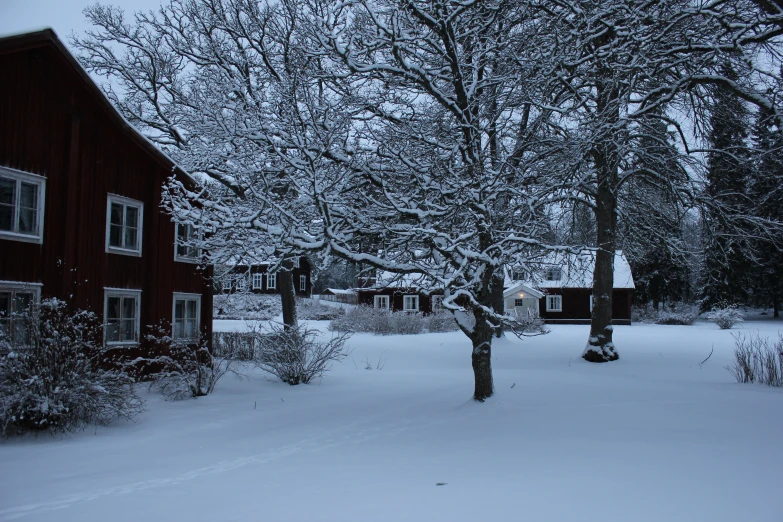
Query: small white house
x=521, y=298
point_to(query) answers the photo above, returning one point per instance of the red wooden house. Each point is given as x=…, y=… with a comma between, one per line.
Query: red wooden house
x=80, y=196
x=257, y=278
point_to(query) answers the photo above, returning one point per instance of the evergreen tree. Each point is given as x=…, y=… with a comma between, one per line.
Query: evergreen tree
x=766, y=192
x=727, y=256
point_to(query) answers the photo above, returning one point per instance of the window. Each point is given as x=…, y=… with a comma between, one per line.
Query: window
x=241, y=283
x=21, y=205
x=187, y=312
x=124, y=225
x=518, y=275
x=185, y=248
x=271, y=281
x=121, y=316
x=303, y=282
x=15, y=300
x=519, y=302
x=382, y=301
x=410, y=303
x=258, y=281
x=437, y=302
x=554, y=274
x=554, y=303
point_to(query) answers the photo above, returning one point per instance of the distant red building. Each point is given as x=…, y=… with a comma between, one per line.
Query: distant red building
x=80, y=204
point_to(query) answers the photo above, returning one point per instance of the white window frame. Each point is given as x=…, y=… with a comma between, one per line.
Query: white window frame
x=517, y=275
x=271, y=281
x=241, y=283
x=519, y=302
x=14, y=287
x=551, y=271
x=195, y=233
x=436, y=302
x=257, y=277
x=302, y=282
x=126, y=202
x=405, y=299
x=554, y=303
x=182, y=296
x=40, y=181
x=121, y=292
x=378, y=299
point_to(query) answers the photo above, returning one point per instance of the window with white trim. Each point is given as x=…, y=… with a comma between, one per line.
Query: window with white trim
x=16, y=300
x=186, y=314
x=302, y=282
x=186, y=248
x=124, y=218
x=437, y=302
x=518, y=275
x=21, y=205
x=554, y=274
x=381, y=301
x=121, y=315
x=410, y=303
x=241, y=283
x=258, y=281
x=554, y=303
x=271, y=281
x=519, y=302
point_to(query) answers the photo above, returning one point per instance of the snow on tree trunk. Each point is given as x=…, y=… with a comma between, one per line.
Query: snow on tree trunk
x=287, y=297
x=481, y=338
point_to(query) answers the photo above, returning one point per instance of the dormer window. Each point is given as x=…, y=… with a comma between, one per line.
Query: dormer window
x=554, y=274
x=518, y=275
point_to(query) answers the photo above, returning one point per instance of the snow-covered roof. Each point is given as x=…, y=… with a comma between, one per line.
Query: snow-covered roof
x=521, y=287
x=339, y=291
x=577, y=271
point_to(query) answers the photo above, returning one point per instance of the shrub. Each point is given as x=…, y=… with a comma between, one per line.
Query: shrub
x=184, y=369
x=675, y=313
x=684, y=317
x=312, y=310
x=296, y=355
x=56, y=379
x=725, y=316
x=525, y=323
x=366, y=319
x=247, y=305
x=240, y=346
x=441, y=322
x=756, y=359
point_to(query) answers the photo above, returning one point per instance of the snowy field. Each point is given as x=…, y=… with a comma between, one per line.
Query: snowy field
x=652, y=437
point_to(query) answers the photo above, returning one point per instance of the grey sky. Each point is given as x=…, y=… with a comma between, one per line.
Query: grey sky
x=64, y=16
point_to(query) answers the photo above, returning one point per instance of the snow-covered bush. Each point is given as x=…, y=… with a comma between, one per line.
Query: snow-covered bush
x=441, y=322
x=234, y=345
x=725, y=316
x=366, y=319
x=525, y=323
x=312, y=310
x=247, y=305
x=57, y=378
x=757, y=359
x=183, y=369
x=675, y=313
x=297, y=355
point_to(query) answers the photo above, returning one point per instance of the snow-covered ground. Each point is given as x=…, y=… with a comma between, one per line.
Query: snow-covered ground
x=652, y=437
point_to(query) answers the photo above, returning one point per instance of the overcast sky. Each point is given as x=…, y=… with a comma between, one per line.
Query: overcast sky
x=64, y=16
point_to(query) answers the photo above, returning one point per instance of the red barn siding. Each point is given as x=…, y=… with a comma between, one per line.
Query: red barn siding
x=53, y=123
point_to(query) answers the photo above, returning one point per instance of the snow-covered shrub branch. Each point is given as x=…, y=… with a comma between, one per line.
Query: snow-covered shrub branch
x=57, y=378
x=366, y=319
x=298, y=355
x=725, y=316
x=757, y=359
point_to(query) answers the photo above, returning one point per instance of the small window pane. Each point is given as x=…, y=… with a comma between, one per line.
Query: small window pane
x=28, y=196
x=113, y=308
x=191, y=309
x=27, y=221
x=7, y=191
x=131, y=235
x=116, y=214
x=131, y=217
x=190, y=328
x=128, y=308
x=179, y=310
x=113, y=331
x=128, y=330
x=115, y=235
x=22, y=302
x=6, y=217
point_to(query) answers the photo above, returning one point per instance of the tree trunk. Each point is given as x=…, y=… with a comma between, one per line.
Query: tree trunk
x=498, y=304
x=482, y=357
x=285, y=280
x=600, y=347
